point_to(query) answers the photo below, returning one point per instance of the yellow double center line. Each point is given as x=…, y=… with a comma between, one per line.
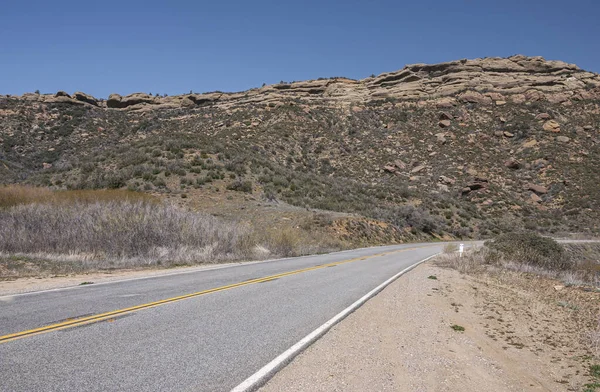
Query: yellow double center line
x=76, y=322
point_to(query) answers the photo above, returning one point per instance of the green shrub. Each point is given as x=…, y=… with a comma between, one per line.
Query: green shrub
x=240, y=186
x=532, y=249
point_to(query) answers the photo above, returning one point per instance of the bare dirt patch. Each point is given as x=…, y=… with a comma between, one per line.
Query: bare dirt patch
x=521, y=332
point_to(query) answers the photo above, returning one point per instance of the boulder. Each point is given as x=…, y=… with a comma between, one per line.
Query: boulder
x=137, y=99
x=474, y=97
x=530, y=143
x=114, y=101
x=563, y=139
x=417, y=169
x=62, y=94
x=399, y=164
x=444, y=123
x=539, y=189
x=543, y=116
x=389, y=168
x=535, y=198
x=539, y=163
x=446, y=180
x=118, y=102
x=475, y=185
x=512, y=164
x=551, y=126
x=83, y=97
x=445, y=116
x=204, y=99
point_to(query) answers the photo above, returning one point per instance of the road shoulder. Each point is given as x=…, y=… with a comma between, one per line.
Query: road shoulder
x=402, y=340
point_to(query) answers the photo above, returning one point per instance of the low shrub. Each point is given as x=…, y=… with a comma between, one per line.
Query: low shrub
x=532, y=249
x=240, y=186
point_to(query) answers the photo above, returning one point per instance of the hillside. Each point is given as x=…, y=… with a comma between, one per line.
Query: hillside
x=464, y=149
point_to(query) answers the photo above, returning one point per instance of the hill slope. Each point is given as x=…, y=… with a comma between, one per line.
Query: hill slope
x=469, y=148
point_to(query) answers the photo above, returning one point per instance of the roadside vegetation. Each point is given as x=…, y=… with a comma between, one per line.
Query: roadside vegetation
x=57, y=232
x=565, y=279
x=388, y=162
x=531, y=253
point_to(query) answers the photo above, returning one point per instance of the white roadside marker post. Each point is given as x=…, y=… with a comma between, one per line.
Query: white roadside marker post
x=461, y=249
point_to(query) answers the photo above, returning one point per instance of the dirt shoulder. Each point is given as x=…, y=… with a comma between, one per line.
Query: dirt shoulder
x=520, y=334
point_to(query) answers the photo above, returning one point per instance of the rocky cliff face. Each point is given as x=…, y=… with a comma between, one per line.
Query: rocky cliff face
x=484, y=81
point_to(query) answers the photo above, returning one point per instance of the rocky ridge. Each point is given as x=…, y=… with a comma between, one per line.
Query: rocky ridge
x=471, y=147
x=484, y=81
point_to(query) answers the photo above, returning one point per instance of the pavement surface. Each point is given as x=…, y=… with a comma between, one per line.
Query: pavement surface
x=207, y=341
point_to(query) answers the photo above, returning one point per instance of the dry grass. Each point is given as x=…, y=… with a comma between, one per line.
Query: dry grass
x=120, y=230
x=583, y=276
x=55, y=232
x=472, y=260
x=592, y=338
x=450, y=248
x=13, y=195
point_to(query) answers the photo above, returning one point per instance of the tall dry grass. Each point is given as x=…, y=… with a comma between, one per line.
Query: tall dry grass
x=13, y=195
x=74, y=231
x=121, y=230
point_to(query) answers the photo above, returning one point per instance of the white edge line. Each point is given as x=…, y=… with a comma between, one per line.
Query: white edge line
x=263, y=375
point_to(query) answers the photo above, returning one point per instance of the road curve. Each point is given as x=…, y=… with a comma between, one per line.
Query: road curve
x=199, y=331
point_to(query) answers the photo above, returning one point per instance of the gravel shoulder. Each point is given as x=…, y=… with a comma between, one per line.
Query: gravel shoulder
x=521, y=333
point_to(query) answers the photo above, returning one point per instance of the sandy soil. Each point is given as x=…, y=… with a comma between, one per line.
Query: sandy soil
x=520, y=334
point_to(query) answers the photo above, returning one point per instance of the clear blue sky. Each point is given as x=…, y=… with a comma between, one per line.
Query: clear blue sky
x=172, y=47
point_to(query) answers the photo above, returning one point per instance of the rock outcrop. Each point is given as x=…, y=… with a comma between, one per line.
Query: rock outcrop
x=487, y=81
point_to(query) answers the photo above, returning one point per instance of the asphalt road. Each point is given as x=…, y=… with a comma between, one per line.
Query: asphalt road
x=206, y=342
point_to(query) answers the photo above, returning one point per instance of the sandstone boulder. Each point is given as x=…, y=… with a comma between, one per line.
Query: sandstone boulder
x=444, y=123
x=474, y=97
x=399, y=164
x=530, y=143
x=83, y=97
x=390, y=168
x=114, y=101
x=512, y=164
x=137, y=99
x=539, y=189
x=445, y=116
x=535, y=198
x=543, y=116
x=446, y=180
x=552, y=126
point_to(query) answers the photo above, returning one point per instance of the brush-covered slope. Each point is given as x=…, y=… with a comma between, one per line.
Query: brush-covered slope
x=468, y=147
